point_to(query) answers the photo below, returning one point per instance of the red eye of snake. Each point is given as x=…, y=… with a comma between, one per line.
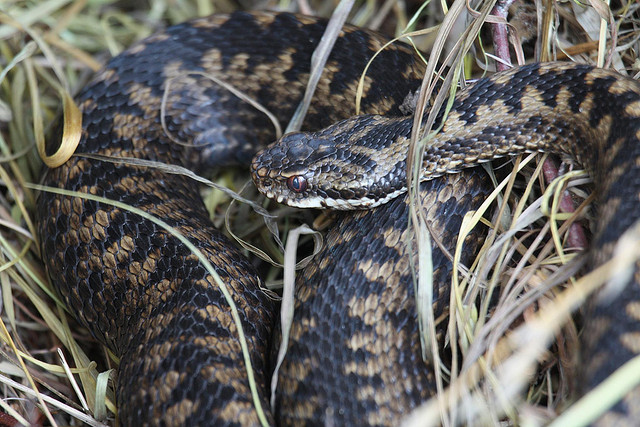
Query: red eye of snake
x=297, y=183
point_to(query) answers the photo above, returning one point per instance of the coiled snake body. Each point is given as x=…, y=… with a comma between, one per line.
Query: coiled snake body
x=148, y=298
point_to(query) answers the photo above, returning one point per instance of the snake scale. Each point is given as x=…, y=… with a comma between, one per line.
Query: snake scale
x=142, y=293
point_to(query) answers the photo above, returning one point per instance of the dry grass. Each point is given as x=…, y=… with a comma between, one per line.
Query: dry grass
x=50, y=48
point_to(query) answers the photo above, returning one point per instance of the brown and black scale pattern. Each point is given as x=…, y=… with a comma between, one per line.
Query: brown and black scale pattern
x=592, y=115
x=588, y=113
x=355, y=337
x=146, y=297
x=140, y=291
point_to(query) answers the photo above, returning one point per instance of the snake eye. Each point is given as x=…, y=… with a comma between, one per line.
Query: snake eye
x=297, y=183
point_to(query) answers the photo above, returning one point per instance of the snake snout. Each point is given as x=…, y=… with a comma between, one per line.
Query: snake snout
x=287, y=171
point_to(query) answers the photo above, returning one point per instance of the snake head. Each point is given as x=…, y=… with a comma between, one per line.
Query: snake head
x=287, y=170
x=340, y=167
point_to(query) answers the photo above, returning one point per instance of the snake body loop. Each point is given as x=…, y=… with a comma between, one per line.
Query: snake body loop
x=136, y=287
x=590, y=114
x=352, y=359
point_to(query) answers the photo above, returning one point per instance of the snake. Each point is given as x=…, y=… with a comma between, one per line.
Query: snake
x=352, y=359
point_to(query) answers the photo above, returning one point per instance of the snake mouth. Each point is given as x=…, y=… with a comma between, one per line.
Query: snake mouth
x=280, y=198
x=302, y=203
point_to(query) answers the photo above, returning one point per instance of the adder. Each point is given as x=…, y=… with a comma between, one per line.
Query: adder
x=353, y=358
